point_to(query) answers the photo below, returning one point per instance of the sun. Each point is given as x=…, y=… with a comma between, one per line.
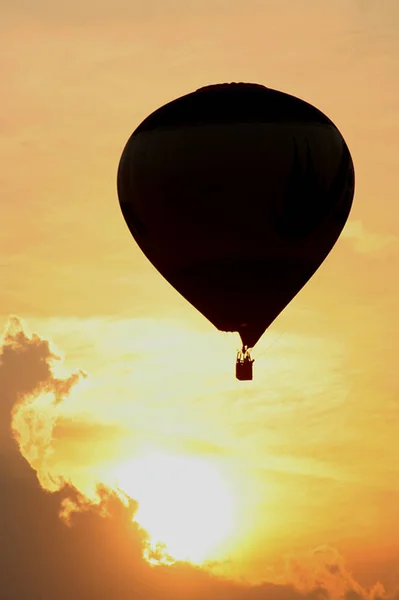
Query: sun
x=184, y=503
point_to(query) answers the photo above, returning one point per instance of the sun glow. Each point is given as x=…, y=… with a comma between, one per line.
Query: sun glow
x=184, y=504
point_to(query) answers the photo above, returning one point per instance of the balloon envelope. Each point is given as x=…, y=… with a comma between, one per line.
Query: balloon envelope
x=236, y=193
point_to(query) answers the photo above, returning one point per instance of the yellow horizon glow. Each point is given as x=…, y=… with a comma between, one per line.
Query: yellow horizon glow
x=184, y=503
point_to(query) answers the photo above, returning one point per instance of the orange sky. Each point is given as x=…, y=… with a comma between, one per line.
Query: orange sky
x=307, y=453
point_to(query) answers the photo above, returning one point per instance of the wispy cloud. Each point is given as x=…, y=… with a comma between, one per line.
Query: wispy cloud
x=365, y=241
x=96, y=549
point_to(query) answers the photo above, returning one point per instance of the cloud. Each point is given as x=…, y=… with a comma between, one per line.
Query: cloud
x=367, y=242
x=62, y=545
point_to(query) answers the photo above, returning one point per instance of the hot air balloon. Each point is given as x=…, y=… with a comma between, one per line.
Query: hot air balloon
x=236, y=193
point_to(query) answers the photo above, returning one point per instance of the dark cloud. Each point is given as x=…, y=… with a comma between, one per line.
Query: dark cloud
x=59, y=545
x=352, y=595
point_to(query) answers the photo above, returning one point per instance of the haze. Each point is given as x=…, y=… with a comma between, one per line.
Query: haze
x=287, y=486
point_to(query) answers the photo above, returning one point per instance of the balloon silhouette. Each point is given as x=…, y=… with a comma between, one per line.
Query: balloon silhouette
x=236, y=193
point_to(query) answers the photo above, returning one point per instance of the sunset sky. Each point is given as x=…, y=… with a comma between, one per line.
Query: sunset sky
x=284, y=487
